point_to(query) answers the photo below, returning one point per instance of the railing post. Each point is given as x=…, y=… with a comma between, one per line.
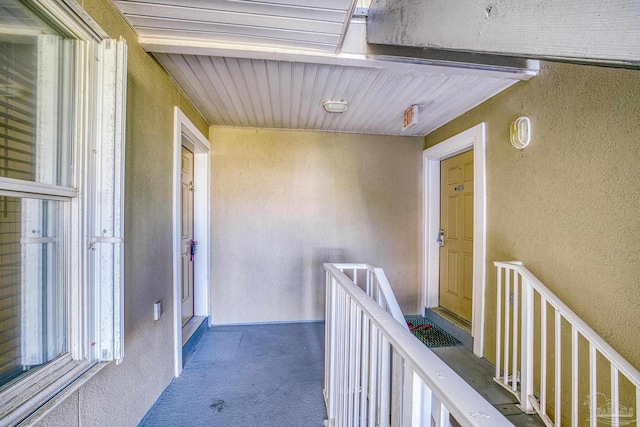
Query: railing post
x=498, y=321
x=526, y=363
x=330, y=364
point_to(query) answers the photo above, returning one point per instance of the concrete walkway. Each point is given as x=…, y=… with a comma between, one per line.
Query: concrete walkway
x=239, y=376
x=479, y=374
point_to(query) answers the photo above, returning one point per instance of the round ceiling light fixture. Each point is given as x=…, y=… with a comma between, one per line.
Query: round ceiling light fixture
x=332, y=106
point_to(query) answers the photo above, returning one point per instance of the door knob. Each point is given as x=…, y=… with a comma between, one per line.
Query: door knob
x=440, y=238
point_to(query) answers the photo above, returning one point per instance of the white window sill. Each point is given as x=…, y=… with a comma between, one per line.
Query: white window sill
x=28, y=405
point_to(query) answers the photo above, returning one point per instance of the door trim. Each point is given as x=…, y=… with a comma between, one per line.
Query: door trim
x=199, y=145
x=473, y=138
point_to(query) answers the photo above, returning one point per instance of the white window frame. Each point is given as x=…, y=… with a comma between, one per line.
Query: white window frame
x=93, y=220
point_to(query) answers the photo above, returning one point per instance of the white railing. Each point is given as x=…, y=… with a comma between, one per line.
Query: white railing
x=374, y=282
x=523, y=328
x=377, y=374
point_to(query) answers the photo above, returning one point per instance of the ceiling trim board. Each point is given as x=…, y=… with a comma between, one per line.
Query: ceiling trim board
x=150, y=27
x=308, y=4
x=209, y=48
x=178, y=13
x=317, y=130
x=259, y=42
x=235, y=7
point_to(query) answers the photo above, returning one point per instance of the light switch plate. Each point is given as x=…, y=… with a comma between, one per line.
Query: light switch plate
x=157, y=310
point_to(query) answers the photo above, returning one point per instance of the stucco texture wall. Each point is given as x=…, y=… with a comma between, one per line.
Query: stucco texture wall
x=568, y=206
x=121, y=394
x=284, y=202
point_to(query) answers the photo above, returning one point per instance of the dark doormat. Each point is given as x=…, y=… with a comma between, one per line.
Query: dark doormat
x=429, y=334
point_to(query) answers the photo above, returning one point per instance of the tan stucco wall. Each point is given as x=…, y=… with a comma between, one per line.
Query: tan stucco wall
x=568, y=206
x=120, y=395
x=284, y=202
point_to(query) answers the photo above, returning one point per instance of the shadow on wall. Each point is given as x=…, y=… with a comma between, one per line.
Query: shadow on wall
x=314, y=276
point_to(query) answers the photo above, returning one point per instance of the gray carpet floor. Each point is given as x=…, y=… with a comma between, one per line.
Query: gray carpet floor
x=239, y=376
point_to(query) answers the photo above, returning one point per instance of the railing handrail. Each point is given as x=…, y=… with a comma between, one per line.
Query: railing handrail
x=385, y=287
x=449, y=388
x=602, y=346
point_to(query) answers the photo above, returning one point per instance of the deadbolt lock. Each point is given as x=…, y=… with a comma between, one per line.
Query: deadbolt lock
x=440, y=238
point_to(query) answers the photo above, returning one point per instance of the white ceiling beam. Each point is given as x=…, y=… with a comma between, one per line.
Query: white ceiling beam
x=593, y=31
x=355, y=53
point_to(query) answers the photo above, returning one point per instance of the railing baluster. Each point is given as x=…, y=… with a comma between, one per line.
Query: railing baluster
x=379, y=380
x=330, y=335
x=385, y=382
x=327, y=336
x=355, y=276
x=421, y=407
x=444, y=416
x=364, y=369
x=358, y=368
x=507, y=298
x=338, y=355
x=341, y=355
x=347, y=337
x=437, y=407
x=574, y=377
x=516, y=289
x=498, y=321
x=593, y=386
x=526, y=365
x=637, y=412
x=615, y=397
x=397, y=387
x=407, y=394
x=352, y=353
x=374, y=378
x=543, y=355
x=558, y=361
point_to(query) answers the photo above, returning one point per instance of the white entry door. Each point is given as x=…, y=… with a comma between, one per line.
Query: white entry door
x=186, y=251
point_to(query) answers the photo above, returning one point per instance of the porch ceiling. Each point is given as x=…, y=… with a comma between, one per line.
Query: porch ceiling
x=300, y=24
x=271, y=64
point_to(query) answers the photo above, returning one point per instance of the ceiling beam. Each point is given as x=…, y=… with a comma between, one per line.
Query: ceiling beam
x=593, y=31
x=356, y=53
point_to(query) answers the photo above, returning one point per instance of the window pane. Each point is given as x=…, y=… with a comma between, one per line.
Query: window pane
x=32, y=284
x=36, y=90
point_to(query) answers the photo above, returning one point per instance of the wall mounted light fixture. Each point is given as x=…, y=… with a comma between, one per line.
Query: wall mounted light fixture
x=521, y=132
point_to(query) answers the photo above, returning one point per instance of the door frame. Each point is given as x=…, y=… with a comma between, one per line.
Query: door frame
x=473, y=138
x=200, y=146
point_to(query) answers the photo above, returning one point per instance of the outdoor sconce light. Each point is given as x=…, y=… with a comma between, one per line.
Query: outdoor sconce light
x=521, y=132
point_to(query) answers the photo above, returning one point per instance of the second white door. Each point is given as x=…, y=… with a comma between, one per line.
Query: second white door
x=188, y=258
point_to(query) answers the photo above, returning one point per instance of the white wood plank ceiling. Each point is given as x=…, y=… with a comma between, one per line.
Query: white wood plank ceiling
x=271, y=64
x=278, y=94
